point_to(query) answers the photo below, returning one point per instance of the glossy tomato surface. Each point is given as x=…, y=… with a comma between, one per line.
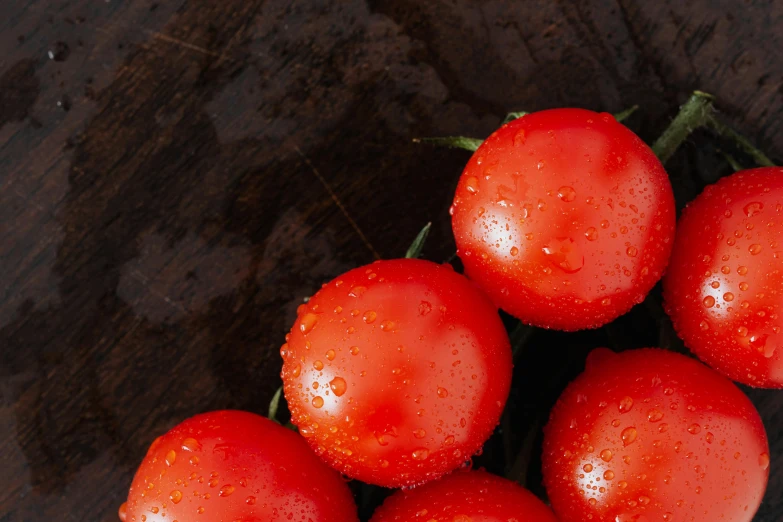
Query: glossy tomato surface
x=649, y=435
x=474, y=496
x=232, y=465
x=397, y=372
x=565, y=217
x=724, y=291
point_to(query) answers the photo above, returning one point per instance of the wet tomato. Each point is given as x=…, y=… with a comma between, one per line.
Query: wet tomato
x=565, y=218
x=233, y=465
x=724, y=291
x=465, y=497
x=648, y=435
x=397, y=372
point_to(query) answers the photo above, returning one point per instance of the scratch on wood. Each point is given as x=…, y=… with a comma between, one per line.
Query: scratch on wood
x=338, y=203
x=181, y=43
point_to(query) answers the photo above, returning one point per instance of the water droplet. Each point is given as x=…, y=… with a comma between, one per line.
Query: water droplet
x=250, y=500
x=764, y=460
x=442, y=392
x=566, y=193
x=354, y=350
x=514, y=251
x=60, y=52
x=419, y=433
x=631, y=251
x=519, y=138
x=606, y=455
x=449, y=440
x=308, y=322
x=318, y=365
x=753, y=208
x=663, y=427
x=622, y=484
x=587, y=468
x=471, y=184
x=591, y=234
x=226, y=490
x=318, y=401
x=388, y=326
x=330, y=355
x=420, y=454
x=628, y=435
x=175, y=496
x=191, y=444
x=171, y=456
x=754, y=249
x=357, y=291
x=728, y=297
x=606, y=301
x=693, y=429
x=742, y=270
x=704, y=325
x=338, y=386
x=626, y=403
x=369, y=316
x=709, y=301
x=200, y=510
x=654, y=415
x=608, y=474
x=424, y=308
x=564, y=254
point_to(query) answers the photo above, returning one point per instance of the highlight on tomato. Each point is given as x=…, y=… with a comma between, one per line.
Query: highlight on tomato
x=397, y=372
x=565, y=218
x=465, y=496
x=724, y=289
x=653, y=435
x=233, y=465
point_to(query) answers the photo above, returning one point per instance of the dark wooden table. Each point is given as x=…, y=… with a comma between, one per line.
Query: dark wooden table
x=176, y=176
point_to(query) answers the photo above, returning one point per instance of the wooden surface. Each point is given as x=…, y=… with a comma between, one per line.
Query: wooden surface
x=176, y=176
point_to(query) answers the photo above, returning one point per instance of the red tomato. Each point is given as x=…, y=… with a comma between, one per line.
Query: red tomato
x=397, y=372
x=649, y=435
x=474, y=496
x=724, y=292
x=565, y=218
x=233, y=465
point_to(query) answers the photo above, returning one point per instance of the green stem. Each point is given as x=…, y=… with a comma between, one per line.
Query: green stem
x=620, y=116
x=274, y=405
x=519, y=337
x=734, y=163
x=511, y=116
x=693, y=114
x=742, y=142
x=457, y=142
x=414, y=251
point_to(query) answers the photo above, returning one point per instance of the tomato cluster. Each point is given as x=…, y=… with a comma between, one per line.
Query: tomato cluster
x=396, y=373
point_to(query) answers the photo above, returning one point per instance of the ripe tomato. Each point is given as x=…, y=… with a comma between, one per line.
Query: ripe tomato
x=397, y=372
x=233, y=465
x=565, y=218
x=650, y=435
x=725, y=289
x=474, y=496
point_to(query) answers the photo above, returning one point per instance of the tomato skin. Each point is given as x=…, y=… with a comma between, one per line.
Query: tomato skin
x=724, y=291
x=472, y=496
x=565, y=218
x=233, y=465
x=397, y=372
x=654, y=435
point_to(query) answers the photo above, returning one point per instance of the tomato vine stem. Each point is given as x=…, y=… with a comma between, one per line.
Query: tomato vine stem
x=699, y=112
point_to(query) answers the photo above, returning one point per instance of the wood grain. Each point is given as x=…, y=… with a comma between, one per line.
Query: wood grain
x=175, y=177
